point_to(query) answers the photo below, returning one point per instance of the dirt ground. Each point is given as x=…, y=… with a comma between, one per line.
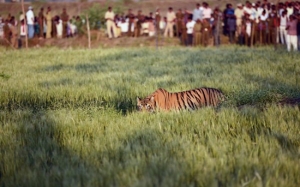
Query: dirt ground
x=98, y=39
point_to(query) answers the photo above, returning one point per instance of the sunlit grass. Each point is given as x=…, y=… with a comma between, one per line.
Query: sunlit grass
x=67, y=118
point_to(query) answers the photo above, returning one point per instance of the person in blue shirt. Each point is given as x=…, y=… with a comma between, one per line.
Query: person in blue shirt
x=197, y=13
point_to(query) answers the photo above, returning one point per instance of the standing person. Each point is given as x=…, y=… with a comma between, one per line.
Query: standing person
x=14, y=32
x=151, y=15
x=291, y=39
x=48, y=17
x=41, y=20
x=190, y=30
x=171, y=17
x=298, y=30
x=21, y=17
x=30, y=22
x=242, y=37
x=205, y=31
x=6, y=30
x=197, y=32
x=36, y=27
x=186, y=15
x=59, y=27
x=248, y=30
x=231, y=23
x=281, y=8
x=162, y=24
x=151, y=27
x=206, y=12
x=8, y=17
x=289, y=9
x=260, y=31
x=110, y=24
x=23, y=29
x=217, y=26
x=130, y=17
x=123, y=24
x=118, y=29
x=197, y=13
x=254, y=12
x=239, y=13
x=145, y=27
x=226, y=14
x=184, y=38
x=53, y=29
x=138, y=24
x=157, y=21
x=282, y=27
x=248, y=8
x=65, y=18
x=272, y=22
x=263, y=27
x=179, y=19
x=1, y=28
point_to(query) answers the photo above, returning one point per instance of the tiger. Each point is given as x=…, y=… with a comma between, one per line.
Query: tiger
x=193, y=99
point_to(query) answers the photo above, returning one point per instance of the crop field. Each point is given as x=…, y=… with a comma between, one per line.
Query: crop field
x=68, y=118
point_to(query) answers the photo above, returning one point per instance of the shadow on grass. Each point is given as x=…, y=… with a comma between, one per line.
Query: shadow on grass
x=38, y=152
x=269, y=91
x=261, y=127
x=37, y=156
x=36, y=102
x=287, y=144
x=146, y=157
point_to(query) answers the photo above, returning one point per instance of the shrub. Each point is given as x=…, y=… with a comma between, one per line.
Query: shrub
x=96, y=15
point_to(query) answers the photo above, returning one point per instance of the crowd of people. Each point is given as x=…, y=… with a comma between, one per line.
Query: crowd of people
x=41, y=25
x=259, y=23
x=249, y=24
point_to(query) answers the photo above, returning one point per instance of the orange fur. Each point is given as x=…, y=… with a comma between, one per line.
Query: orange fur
x=161, y=99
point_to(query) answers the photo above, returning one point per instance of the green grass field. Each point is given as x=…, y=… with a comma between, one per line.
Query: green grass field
x=67, y=118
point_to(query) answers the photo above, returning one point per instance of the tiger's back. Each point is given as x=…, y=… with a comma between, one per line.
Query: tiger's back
x=189, y=100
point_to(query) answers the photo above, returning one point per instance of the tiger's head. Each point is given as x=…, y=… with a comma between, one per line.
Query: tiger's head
x=147, y=104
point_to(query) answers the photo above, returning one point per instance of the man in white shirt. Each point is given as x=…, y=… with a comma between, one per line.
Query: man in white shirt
x=259, y=10
x=290, y=10
x=282, y=28
x=282, y=7
x=239, y=13
x=30, y=22
x=264, y=16
x=248, y=8
x=206, y=12
x=254, y=14
x=190, y=30
x=124, y=25
x=162, y=24
x=110, y=23
x=171, y=17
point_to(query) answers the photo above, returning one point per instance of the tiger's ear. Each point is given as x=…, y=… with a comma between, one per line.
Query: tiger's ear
x=138, y=100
